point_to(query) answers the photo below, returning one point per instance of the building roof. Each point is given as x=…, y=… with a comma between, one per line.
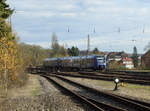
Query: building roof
x=127, y=59
x=147, y=54
x=117, y=54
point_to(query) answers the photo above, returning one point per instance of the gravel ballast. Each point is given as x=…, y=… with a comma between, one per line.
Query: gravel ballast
x=139, y=92
x=40, y=95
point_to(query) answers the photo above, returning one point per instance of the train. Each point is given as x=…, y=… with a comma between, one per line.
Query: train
x=75, y=63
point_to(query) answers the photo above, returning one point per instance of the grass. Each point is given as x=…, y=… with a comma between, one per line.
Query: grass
x=133, y=86
x=111, y=84
x=127, y=85
x=36, y=91
x=134, y=90
x=2, y=93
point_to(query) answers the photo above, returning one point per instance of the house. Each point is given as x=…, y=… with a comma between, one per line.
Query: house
x=116, y=56
x=128, y=63
x=145, y=59
x=84, y=53
x=139, y=60
x=120, y=60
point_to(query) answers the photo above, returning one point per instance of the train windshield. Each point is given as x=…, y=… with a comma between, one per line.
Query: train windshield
x=100, y=59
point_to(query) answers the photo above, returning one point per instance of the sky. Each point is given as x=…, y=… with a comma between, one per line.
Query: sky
x=113, y=25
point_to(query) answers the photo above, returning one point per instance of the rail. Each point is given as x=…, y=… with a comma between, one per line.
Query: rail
x=130, y=103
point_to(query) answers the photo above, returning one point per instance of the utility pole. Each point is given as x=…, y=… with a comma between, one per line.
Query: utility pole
x=94, y=30
x=88, y=47
x=119, y=30
x=68, y=29
x=143, y=28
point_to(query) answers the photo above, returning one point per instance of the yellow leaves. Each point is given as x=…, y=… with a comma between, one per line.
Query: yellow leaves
x=10, y=60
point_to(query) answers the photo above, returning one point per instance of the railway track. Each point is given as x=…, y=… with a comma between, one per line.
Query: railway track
x=96, y=105
x=105, y=77
x=123, y=76
x=103, y=101
x=138, y=75
x=133, y=73
x=108, y=76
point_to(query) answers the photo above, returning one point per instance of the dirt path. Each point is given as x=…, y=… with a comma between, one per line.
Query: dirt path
x=39, y=95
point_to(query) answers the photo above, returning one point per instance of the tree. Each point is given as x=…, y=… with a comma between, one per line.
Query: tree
x=114, y=65
x=95, y=51
x=56, y=49
x=33, y=54
x=6, y=30
x=8, y=48
x=5, y=11
x=135, y=57
x=63, y=51
x=10, y=57
x=74, y=51
x=10, y=62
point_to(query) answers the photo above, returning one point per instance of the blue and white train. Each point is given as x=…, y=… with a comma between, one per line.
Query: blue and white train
x=94, y=62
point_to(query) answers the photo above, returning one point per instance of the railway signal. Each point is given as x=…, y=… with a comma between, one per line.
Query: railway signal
x=116, y=81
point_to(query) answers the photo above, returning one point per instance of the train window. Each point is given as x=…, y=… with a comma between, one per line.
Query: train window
x=100, y=59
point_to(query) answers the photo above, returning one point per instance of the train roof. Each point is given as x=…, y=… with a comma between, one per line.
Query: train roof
x=73, y=57
x=66, y=58
x=49, y=59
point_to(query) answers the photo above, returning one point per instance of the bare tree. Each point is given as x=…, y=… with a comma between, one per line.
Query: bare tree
x=147, y=47
x=55, y=48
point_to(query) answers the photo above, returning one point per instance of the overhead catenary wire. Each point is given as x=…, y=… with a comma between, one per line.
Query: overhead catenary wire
x=132, y=33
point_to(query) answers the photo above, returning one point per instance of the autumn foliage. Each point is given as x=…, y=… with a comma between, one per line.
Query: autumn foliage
x=10, y=61
x=11, y=73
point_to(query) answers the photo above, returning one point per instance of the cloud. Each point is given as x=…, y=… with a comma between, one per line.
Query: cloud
x=42, y=44
x=32, y=5
x=69, y=14
x=36, y=20
x=104, y=43
x=144, y=11
x=38, y=14
x=99, y=2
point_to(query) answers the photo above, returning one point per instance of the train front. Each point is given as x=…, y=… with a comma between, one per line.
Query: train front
x=100, y=62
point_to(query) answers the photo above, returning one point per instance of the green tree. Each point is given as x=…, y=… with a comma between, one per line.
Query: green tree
x=10, y=57
x=5, y=11
x=74, y=51
x=95, y=51
x=135, y=57
x=6, y=30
